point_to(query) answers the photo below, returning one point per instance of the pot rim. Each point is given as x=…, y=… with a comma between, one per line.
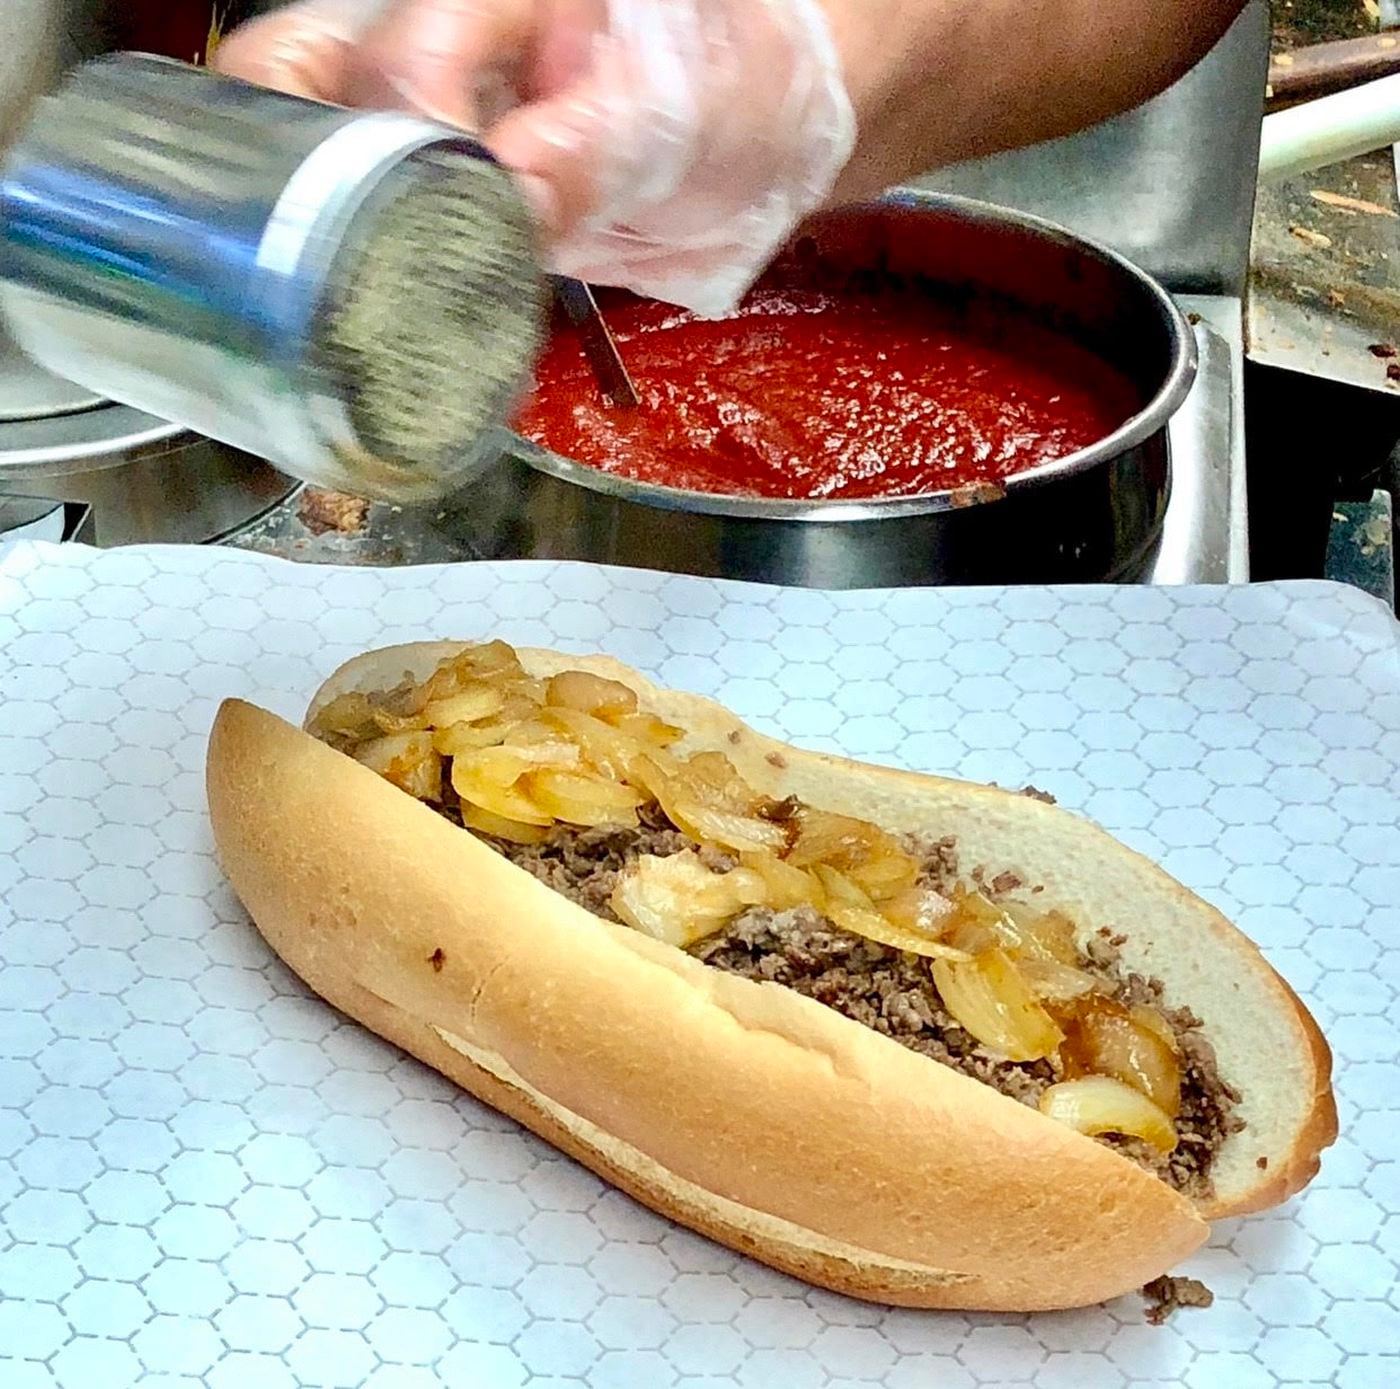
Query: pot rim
x=1147, y=422
x=88, y=440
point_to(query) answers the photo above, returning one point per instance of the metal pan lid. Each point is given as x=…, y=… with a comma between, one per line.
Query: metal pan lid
x=28, y=392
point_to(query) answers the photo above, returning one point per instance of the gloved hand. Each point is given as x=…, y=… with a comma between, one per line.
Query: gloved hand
x=669, y=146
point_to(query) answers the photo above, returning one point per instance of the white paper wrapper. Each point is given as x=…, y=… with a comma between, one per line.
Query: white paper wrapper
x=209, y=1177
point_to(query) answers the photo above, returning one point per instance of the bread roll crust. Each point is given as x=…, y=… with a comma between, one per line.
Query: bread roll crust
x=742, y=1110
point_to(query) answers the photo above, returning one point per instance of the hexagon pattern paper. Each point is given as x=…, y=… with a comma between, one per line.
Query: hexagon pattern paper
x=209, y=1177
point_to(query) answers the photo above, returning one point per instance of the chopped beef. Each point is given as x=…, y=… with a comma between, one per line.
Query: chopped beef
x=894, y=993
x=651, y=817
x=1036, y=794
x=323, y=512
x=938, y=861
x=583, y=865
x=1164, y=1295
x=888, y=990
x=1208, y=1101
x=717, y=860
x=1001, y=885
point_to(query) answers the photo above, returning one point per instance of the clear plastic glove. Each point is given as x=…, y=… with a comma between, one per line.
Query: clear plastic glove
x=669, y=146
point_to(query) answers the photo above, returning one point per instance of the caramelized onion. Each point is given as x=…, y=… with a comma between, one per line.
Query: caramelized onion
x=542, y=753
x=714, y=772
x=725, y=828
x=407, y=760
x=841, y=890
x=678, y=900
x=468, y=706
x=581, y=798
x=838, y=840
x=1055, y=982
x=974, y=908
x=590, y=694
x=1152, y=1021
x=460, y=738
x=1101, y=1104
x=1105, y=1038
x=860, y=921
x=649, y=729
x=886, y=875
x=489, y=661
x=610, y=751
x=386, y=721
x=487, y=778
x=527, y=753
x=1036, y=935
x=514, y=831
x=787, y=887
x=347, y=715
x=919, y=909
x=989, y=998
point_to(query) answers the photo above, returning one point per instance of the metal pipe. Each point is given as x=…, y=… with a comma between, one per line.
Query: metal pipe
x=1330, y=130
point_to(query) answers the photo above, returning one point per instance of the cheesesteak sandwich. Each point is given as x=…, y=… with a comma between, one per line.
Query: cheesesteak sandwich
x=921, y=1041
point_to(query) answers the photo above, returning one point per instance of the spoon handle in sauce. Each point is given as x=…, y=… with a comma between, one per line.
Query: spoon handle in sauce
x=598, y=346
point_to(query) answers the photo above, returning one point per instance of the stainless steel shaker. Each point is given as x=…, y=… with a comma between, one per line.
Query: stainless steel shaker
x=169, y=238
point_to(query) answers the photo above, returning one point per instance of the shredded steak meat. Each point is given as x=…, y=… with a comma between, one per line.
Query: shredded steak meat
x=885, y=989
x=583, y=865
x=889, y=990
x=939, y=862
x=894, y=993
x=1164, y=1295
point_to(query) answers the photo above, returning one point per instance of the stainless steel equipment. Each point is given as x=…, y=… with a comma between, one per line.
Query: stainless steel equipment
x=1170, y=185
x=142, y=479
x=172, y=239
x=1203, y=538
x=1093, y=515
x=137, y=477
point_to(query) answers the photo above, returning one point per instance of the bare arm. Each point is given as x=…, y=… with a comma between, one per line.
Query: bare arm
x=938, y=81
x=671, y=145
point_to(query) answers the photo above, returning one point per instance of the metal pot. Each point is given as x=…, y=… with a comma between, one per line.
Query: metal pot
x=144, y=481
x=1094, y=515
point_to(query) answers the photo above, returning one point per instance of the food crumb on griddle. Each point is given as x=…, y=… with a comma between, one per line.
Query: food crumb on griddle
x=322, y=512
x=1164, y=1295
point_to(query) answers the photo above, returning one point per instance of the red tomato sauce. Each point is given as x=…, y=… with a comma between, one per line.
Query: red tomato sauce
x=811, y=394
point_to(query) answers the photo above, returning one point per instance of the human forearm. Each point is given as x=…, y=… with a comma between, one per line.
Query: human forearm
x=937, y=81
